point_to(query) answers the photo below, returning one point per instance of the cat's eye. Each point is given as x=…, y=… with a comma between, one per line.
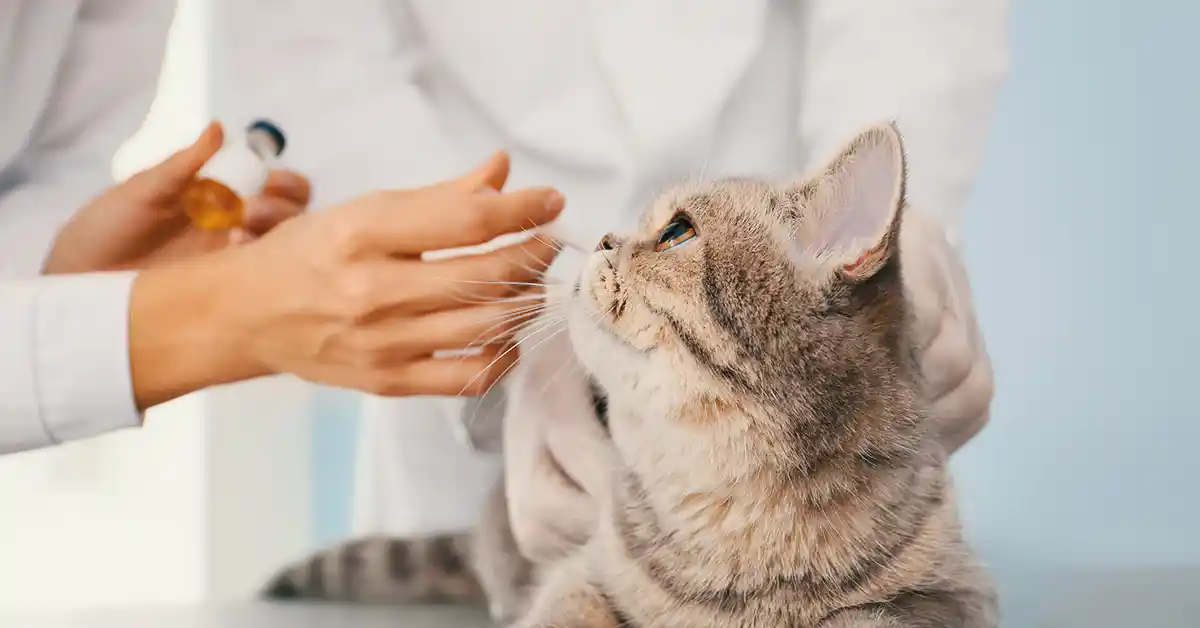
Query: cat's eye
x=679, y=231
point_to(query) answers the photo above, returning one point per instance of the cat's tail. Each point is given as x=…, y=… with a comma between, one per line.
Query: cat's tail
x=433, y=570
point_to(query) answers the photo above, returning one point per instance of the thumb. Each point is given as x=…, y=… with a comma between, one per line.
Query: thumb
x=168, y=178
x=492, y=173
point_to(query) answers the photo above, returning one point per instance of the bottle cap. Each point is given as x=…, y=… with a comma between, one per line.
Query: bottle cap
x=271, y=131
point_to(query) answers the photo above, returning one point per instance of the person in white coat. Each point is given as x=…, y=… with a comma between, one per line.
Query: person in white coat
x=609, y=100
x=111, y=302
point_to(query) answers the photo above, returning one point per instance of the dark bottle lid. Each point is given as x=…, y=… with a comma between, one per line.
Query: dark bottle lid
x=268, y=127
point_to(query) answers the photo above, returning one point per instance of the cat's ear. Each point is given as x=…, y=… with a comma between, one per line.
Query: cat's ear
x=849, y=214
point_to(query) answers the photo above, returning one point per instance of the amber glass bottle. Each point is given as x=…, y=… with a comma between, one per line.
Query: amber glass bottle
x=215, y=200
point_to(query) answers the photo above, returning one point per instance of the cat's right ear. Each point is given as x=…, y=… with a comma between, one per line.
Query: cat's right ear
x=849, y=214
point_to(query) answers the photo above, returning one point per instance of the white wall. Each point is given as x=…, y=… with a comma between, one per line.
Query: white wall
x=204, y=501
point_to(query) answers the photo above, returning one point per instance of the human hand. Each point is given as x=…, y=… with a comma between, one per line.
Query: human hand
x=343, y=297
x=141, y=222
x=951, y=353
x=557, y=455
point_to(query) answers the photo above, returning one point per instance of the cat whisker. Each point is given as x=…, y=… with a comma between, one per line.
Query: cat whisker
x=568, y=361
x=470, y=423
x=518, y=310
x=530, y=312
x=530, y=350
x=510, y=350
x=533, y=234
x=707, y=157
x=537, y=295
x=503, y=283
x=539, y=269
x=521, y=328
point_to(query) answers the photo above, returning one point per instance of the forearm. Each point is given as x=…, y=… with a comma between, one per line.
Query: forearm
x=183, y=330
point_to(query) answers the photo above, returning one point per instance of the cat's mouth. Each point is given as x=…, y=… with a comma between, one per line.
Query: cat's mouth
x=613, y=308
x=605, y=288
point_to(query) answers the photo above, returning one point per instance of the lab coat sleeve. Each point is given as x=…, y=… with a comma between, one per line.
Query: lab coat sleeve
x=934, y=66
x=104, y=85
x=64, y=359
x=341, y=80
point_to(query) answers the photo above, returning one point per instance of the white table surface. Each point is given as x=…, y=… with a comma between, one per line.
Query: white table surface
x=256, y=615
x=1144, y=598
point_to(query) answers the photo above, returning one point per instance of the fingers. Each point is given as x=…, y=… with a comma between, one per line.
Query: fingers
x=429, y=286
x=492, y=173
x=164, y=181
x=500, y=273
x=416, y=223
x=289, y=186
x=264, y=213
x=469, y=280
x=459, y=328
x=411, y=222
x=392, y=341
x=239, y=236
x=469, y=376
x=962, y=412
x=284, y=196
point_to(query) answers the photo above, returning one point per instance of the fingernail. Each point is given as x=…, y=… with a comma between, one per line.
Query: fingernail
x=490, y=162
x=555, y=202
x=214, y=127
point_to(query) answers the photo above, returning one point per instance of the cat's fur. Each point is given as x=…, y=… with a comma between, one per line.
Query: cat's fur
x=777, y=465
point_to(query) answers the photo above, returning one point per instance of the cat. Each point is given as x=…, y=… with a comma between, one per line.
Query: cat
x=777, y=466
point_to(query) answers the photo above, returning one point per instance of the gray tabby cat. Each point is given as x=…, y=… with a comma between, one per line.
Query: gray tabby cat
x=777, y=468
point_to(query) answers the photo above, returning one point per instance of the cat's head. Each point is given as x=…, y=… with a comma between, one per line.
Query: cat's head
x=778, y=304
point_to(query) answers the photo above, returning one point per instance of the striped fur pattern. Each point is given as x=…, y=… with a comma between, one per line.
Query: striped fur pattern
x=777, y=465
x=381, y=569
x=480, y=568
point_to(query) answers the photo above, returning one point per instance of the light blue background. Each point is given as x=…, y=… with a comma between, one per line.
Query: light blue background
x=1081, y=237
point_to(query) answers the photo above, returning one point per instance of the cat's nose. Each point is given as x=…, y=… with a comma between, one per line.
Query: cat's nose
x=607, y=243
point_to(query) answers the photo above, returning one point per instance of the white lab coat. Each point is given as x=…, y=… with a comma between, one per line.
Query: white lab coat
x=76, y=79
x=606, y=99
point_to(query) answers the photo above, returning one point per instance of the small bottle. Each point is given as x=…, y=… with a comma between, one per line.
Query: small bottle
x=215, y=200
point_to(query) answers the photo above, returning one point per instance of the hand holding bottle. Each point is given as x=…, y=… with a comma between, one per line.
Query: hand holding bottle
x=142, y=222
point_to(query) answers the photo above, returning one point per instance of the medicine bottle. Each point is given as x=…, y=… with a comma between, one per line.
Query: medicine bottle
x=215, y=200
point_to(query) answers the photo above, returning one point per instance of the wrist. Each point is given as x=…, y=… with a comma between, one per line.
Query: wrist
x=184, y=330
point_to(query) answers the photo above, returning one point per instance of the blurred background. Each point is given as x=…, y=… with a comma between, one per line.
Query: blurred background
x=1078, y=237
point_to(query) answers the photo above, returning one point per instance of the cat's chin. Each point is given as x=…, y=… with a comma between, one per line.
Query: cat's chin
x=587, y=335
x=599, y=349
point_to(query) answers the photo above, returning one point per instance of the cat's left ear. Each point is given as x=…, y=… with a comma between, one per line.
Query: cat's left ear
x=849, y=215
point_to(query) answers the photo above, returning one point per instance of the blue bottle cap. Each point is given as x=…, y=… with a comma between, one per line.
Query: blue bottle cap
x=268, y=127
